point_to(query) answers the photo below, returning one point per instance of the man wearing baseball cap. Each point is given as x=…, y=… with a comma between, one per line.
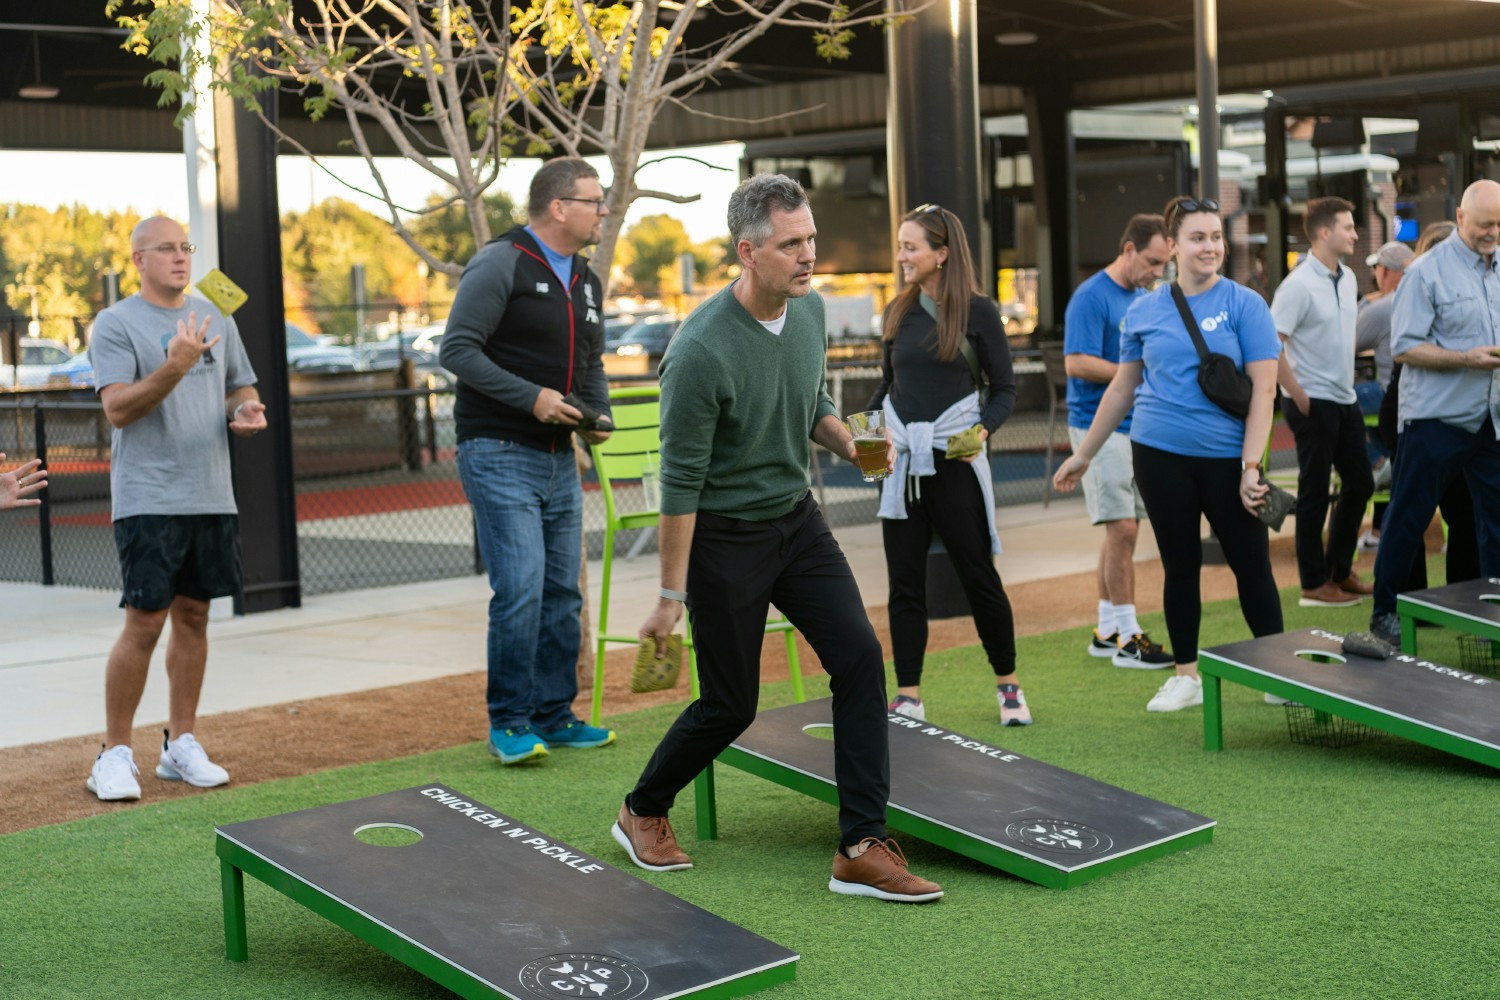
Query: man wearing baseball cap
x=1372, y=331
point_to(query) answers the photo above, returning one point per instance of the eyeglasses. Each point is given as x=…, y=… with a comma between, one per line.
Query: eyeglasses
x=1189, y=205
x=598, y=203
x=187, y=248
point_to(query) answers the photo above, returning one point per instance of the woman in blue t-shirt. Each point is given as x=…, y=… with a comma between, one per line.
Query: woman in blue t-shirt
x=1192, y=458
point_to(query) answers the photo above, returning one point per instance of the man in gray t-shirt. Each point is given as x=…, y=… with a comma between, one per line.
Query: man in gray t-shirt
x=171, y=370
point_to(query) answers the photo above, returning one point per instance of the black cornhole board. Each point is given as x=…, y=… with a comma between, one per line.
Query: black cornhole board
x=1407, y=696
x=1042, y=823
x=1458, y=605
x=489, y=912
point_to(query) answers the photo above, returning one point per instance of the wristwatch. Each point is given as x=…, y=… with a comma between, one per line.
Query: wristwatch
x=1245, y=466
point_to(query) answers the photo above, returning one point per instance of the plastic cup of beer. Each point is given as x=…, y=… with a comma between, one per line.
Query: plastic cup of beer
x=868, y=429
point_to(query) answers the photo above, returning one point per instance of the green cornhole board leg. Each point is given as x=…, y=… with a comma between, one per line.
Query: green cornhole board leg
x=708, y=810
x=232, y=881
x=1213, y=713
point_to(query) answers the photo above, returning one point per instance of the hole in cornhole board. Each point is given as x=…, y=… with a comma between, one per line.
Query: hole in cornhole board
x=819, y=731
x=1319, y=656
x=1490, y=598
x=387, y=834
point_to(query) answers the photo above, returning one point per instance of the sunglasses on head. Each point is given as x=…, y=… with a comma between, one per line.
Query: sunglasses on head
x=1189, y=205
x=931, y=209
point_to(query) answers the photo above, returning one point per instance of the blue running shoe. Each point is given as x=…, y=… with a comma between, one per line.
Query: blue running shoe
x=579, y=736
x=515, y=745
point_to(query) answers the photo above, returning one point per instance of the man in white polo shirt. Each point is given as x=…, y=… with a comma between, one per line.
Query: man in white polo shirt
x=1315, y=311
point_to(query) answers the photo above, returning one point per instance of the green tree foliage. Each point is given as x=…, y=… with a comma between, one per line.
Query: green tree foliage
x=58, y=257
x=459, y=85
x=319, y=248
x=445, y=231
x=653, y=245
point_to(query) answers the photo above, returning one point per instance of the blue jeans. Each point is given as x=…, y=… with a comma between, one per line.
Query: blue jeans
x=528, y=508
x=1430, y=456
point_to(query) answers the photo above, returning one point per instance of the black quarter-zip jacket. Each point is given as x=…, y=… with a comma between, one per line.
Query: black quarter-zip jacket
x=514, y=330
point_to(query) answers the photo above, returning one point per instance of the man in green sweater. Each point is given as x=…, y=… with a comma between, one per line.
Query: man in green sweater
x=742, y=393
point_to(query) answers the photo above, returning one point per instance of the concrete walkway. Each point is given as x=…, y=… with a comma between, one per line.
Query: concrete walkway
x=57, y=638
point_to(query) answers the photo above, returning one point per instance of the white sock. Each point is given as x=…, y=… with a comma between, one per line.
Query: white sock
x=1125, y=621
x=1106, y=619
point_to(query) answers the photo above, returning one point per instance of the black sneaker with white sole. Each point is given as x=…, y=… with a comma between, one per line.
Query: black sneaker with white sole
x=1140, y=653
x=1104, y=647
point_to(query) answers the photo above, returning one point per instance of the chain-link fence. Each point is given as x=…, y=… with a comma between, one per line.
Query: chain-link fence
x=378, y=495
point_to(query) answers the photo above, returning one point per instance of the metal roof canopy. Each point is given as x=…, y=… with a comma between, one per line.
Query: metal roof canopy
x=1098, y=53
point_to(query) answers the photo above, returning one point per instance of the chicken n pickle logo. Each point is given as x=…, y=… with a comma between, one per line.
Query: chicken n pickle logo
x=558, y=977
x=1059, y=836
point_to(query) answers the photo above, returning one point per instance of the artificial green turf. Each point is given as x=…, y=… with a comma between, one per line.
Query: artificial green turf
x=1368, y=871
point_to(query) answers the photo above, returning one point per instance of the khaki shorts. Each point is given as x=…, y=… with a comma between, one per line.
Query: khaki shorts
x=1109, y=484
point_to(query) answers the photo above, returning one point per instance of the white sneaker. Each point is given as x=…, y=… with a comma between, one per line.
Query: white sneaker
x=908, y=706
x=113, y=775
x=1179, y=692
x=1369, y=540
x=184, y=759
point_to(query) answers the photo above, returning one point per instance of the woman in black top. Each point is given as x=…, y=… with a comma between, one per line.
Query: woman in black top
x=946, y=386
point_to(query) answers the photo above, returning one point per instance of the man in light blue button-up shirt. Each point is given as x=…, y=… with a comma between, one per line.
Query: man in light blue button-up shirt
x=1445, y=328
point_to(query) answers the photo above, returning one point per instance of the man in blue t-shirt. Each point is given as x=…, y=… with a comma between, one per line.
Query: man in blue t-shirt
x=1091, y=344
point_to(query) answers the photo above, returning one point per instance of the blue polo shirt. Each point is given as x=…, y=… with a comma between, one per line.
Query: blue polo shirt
x=1171, y=412
x=1092, y=325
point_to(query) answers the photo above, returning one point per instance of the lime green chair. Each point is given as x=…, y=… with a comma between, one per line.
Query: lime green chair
x=632, y=454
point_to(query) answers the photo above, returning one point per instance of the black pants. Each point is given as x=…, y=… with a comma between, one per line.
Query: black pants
x=1457, y=506
x=952, y=503
x=1331, y=436
x=736, y=570
x=1431, y=455
x=1177, y=491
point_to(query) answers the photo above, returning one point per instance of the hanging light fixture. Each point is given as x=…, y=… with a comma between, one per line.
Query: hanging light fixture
x=1016, y=35
x=36, y=90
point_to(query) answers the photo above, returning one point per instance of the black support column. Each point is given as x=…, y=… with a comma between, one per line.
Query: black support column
x=1275, y=195
x=250, y=254
x=933, y=149
x=1051, y=147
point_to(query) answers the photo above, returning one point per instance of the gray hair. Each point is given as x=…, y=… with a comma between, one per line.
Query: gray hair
x=557, y=179
x=752, y=203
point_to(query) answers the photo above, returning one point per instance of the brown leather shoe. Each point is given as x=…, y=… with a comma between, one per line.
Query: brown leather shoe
x=1328, y=596
x=649, y=841
x=1352, y=584
x=881, y=872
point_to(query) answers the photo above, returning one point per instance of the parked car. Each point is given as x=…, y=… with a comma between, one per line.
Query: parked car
x=429, y=337
x=38, y=357
x=75, y=373
x=304, y=350
x=649, y=337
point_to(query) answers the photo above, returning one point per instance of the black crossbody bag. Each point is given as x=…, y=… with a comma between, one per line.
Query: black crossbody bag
x=1224, y=384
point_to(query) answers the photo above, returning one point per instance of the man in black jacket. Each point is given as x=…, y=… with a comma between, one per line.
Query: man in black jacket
x=527, y=330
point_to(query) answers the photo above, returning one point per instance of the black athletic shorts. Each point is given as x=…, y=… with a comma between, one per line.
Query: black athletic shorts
x=163, y=555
